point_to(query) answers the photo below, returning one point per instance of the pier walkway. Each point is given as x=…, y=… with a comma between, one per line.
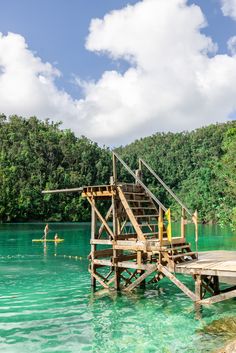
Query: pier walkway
x=132, y=243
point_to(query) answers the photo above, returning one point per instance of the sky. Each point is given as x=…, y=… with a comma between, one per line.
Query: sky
x=117, y=70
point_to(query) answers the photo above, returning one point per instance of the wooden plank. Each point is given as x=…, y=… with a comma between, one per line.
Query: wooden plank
x=101, y=241
x=62, y=190
x=101, y=218
x=93, y=246
x=146, y=216
x=134, y=247
x=173, y=257
x=133, y=265
x=139, y=201
x=141, y=278
x=198, y=287
x=115, y=227
x=178, y=283
x=126, y=236
x=114, y=168
x=126, y=257
x=204, y=271
x=213, y=263
x=106, y=219
x=102, y=262
x=122, y=264
x=183, y=223
x=99, y=279
x=175, y=240
x=130, y=214
x=142, y=208
x=218, y=298
x=103, y=253
x=97, y=194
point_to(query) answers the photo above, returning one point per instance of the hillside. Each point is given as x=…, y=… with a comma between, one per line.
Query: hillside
x=199, y=166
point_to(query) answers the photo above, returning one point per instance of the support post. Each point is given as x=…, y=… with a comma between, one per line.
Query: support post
x=114, y=169
x=138, y=174
x=216, y=286
x=195, y=221
x=93, y=246
x=160, y=225
x=183, y=218
x=115, y=230
x=198, y=287
x=139, y=260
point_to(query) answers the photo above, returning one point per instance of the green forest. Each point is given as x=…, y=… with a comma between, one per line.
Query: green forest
x=200, y=167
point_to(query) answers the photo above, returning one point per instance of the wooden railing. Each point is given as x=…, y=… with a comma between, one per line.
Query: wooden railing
x=117, y=158
x=185, y=210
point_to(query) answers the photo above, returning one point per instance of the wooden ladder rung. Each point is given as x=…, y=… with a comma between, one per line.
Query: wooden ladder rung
x=134, y=193
x=182, y=255
x=143, y=208
x=153, y=233
x=147, y=225
x=141, y=201
x=146, y=216
x=179, y=247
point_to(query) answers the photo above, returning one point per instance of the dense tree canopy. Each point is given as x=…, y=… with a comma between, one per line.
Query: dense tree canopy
x=35, y=155
x=192, y=164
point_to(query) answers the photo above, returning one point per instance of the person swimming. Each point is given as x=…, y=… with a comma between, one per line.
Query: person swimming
x=56, y=237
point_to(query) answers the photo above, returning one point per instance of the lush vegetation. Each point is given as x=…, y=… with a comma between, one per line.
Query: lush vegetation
x=35, y=155
x=199, y=166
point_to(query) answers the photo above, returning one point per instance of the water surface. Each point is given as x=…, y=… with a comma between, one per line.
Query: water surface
x=46, y=304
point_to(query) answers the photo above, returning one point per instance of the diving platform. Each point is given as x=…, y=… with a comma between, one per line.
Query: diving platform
x=132, y=243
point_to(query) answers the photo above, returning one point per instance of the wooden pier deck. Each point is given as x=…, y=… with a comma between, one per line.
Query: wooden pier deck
x=210, y=263
x=132, y=243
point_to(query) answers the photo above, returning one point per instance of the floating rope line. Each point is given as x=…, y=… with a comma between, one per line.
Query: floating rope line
x=71, y=257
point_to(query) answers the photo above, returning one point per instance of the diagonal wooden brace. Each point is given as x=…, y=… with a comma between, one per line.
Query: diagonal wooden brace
x=178, y=283
x=141, y=278
x=99, y=279
x=218, y=298
x=104, y=222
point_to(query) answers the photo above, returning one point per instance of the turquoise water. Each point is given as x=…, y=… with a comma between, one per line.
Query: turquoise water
x=46, y=304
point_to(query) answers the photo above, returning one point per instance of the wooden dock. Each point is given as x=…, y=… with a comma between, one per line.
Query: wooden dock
x=220, y=263
x=132, y=243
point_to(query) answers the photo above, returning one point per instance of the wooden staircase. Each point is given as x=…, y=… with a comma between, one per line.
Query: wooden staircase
x=141, y=210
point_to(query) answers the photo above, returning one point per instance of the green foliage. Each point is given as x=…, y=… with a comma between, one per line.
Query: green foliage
x=191, y=163
x=199, y=166
x=228, y=176
x=36, y=155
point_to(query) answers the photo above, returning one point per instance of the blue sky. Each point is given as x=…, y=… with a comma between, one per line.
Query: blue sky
x=56, y=31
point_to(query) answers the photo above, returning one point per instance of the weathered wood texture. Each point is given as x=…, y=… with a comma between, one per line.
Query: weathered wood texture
x=213, y=263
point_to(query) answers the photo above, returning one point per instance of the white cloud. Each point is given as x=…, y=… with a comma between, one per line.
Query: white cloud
x=232, y=45
x=172, y=83
x=27, y=84
x=228, y=8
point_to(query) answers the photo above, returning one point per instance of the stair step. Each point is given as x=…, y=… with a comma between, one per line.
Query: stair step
x=149, y=225
x=143, y=208
x=141, y=201
x=135, y=193
x=179, y=247
x=182, y=255
x=153, y=233
x=146, y=216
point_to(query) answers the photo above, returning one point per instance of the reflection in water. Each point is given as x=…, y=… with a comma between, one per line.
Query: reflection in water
x=45, y=248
